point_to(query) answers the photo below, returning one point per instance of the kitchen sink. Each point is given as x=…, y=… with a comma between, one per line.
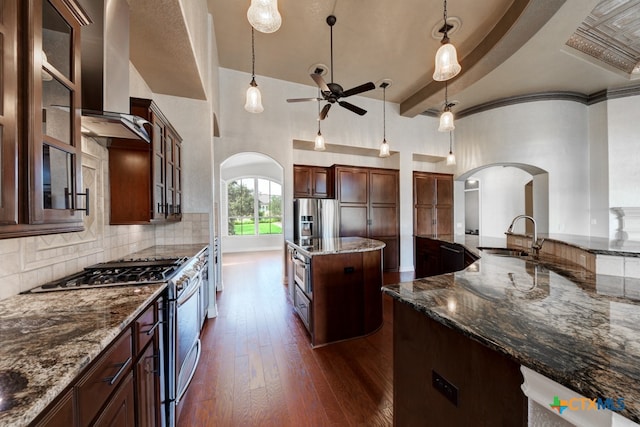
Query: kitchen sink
x=504, y=252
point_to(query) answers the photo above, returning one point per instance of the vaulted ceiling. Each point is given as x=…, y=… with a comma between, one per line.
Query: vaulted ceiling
x=507, y=48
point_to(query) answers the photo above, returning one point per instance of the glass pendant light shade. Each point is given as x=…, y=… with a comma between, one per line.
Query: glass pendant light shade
x=446, y=122
x=263, y=15
x=384, y=149
x=447, y=66
x=254, y=99
x=319, y=143
x=451, y=159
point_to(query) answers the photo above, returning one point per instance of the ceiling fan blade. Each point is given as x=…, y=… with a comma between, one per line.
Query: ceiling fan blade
x=352, y=107
x=303, y=99
x=359, y=89
x=320, y=82
x=324, y=112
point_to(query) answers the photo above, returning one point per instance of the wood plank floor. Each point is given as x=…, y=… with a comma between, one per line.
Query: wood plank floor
x=258, y=369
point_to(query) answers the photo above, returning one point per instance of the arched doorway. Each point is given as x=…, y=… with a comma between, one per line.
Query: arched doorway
x=251, y=205
x=504, y=190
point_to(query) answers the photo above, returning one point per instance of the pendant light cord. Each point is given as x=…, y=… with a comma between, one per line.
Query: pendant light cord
x=253, y=55
x=319, y=93
x=384, y=113
x=445, y=18
x=450, y=143
x=446, y=96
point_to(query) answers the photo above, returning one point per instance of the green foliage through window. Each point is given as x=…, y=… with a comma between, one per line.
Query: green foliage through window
x=254, y=207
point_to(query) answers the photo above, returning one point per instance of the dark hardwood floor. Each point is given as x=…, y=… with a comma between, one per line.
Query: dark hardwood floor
x=258, y=369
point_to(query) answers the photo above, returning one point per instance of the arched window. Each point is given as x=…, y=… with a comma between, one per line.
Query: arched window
x=254, y=206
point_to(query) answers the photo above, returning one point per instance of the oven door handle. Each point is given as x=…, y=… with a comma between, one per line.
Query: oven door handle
x=198, y=347
x=193, y=289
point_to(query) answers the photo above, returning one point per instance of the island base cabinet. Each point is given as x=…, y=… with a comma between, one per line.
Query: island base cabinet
x=442, y=378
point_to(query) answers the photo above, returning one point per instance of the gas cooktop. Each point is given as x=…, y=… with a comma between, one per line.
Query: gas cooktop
x=122, y=272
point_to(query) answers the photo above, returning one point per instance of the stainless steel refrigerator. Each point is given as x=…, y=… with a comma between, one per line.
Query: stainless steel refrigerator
x=315, y=218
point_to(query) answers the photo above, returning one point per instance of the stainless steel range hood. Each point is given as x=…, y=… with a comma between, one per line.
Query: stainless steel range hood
x=105, y=74
x=106, y=124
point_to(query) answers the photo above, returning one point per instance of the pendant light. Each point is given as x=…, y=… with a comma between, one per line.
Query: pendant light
x=447, y=65
x=254, y=98
x=263, y=15
x=446, y=118
x=384, y=147
x=451, y=158
x=319, y=142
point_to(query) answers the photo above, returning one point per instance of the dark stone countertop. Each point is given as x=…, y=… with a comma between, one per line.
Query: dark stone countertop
x=549, y=316
x=49, y=338
x=338, y=245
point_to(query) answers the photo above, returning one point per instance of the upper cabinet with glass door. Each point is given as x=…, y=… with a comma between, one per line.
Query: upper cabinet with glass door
x=40, y=130
x=55, y=99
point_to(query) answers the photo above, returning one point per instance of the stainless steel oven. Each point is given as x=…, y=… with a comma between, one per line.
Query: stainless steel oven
x=184, y=347
x=302, y=272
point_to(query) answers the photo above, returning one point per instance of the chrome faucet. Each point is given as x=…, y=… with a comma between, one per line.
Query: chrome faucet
x=536, y=244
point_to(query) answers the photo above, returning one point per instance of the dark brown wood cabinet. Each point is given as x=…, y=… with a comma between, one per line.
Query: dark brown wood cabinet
x=39, y=117
x=369, y=207
x=443, y=378
x=121, y=387
x=433, y=204
x=145, y=180
x=313, y=182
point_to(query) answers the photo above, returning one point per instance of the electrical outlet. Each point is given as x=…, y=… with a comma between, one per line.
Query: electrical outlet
x=445, y=387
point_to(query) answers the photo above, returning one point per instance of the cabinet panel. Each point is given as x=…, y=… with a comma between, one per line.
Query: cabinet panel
x=391, y=252
x=353, y=221
x=61, y=415
x=384, y=221
x=301, y=182
x=8, y=110
x=383, y=187
x=147, y=388
x=433, y=204
x=353, y=185
x=120, y=412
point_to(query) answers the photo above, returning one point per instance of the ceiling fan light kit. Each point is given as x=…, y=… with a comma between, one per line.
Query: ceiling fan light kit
x=263, y=15
x=446, y=62
x=253, y=102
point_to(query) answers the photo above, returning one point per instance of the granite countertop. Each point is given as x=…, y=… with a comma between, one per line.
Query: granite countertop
x=49, y=338
x=556, y=319
x=596, y=245
x=338, y=245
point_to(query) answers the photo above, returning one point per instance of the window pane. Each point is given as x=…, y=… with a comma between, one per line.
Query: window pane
x=56, y=39
x=244, y=202
x=57, y=178
x=56, y=105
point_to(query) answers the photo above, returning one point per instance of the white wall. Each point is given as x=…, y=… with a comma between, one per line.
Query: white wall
x=623, y=125
x=551, y=135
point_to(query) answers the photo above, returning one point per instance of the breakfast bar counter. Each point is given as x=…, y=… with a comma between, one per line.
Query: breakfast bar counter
x=559, y=320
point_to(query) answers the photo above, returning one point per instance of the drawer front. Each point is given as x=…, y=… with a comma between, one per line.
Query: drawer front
x=303, y=307
x=95, y=387
x=145, y=327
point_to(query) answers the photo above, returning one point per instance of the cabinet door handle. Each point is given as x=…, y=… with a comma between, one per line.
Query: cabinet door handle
x=349, y=270
x=153, y=327
x=123, y=366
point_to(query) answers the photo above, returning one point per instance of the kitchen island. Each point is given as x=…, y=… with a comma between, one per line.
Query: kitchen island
x=501, y=313
x=335, y=286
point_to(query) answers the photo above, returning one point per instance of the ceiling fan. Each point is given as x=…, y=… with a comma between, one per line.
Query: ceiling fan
x=332, y=92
